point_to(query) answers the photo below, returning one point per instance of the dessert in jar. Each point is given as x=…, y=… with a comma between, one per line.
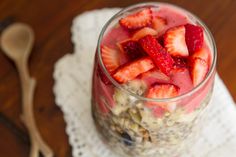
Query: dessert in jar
x=153, y=78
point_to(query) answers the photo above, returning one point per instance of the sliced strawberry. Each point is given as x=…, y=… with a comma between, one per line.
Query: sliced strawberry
x=199, y=69
x=143, y=32
x=131, y=49
x=159, y=23
x=160, y=91
x=123, y=58
x=174, y=41
x=161, y=58
x=180, y=64
x=154, y=76
x=132, y=70
x=193, y=37
x=110, y=58
x=203, y=53
x=137, y=20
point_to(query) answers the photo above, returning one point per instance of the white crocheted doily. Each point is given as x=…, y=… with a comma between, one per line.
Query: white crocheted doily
x=73, y=90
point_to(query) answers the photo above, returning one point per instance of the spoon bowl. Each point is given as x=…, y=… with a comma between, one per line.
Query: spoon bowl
x=17, y=41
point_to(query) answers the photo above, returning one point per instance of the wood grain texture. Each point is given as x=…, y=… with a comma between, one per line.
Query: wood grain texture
x=51, y=21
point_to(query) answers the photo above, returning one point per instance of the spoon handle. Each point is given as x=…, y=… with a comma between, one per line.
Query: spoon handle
x=28, y=88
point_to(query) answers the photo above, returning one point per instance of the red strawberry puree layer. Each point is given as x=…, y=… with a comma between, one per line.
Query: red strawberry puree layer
x=187, y=72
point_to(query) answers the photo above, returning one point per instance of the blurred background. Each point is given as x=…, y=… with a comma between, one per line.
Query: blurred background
x=51, y=21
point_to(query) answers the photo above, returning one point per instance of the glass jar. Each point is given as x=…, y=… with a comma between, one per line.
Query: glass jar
x=131, y=128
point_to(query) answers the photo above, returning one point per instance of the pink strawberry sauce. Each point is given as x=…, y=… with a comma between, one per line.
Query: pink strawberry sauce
x=173, y=17
x=180, y=76
x=182, y=80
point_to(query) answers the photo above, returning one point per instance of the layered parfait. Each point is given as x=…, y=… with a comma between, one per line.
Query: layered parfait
x=151, y=80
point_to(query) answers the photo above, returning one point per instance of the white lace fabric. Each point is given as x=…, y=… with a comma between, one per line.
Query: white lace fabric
x=72, y=90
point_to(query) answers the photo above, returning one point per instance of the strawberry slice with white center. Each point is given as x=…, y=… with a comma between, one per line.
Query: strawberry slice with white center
x=143, y=32
x=174, y=41
x=110, y=58
x=137, y=20
x=132, y=70
x=194, y=37
x=159, y=24
x=160, y=91
x=203, y=53
x=161, y=58
x=198, y=71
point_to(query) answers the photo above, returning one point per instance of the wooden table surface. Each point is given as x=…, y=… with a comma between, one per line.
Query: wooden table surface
x=51, y=21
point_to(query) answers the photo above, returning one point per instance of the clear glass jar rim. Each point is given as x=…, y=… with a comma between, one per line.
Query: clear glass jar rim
x=195, y=89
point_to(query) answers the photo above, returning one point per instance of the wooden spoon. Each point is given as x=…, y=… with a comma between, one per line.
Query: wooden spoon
x=16, y=42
